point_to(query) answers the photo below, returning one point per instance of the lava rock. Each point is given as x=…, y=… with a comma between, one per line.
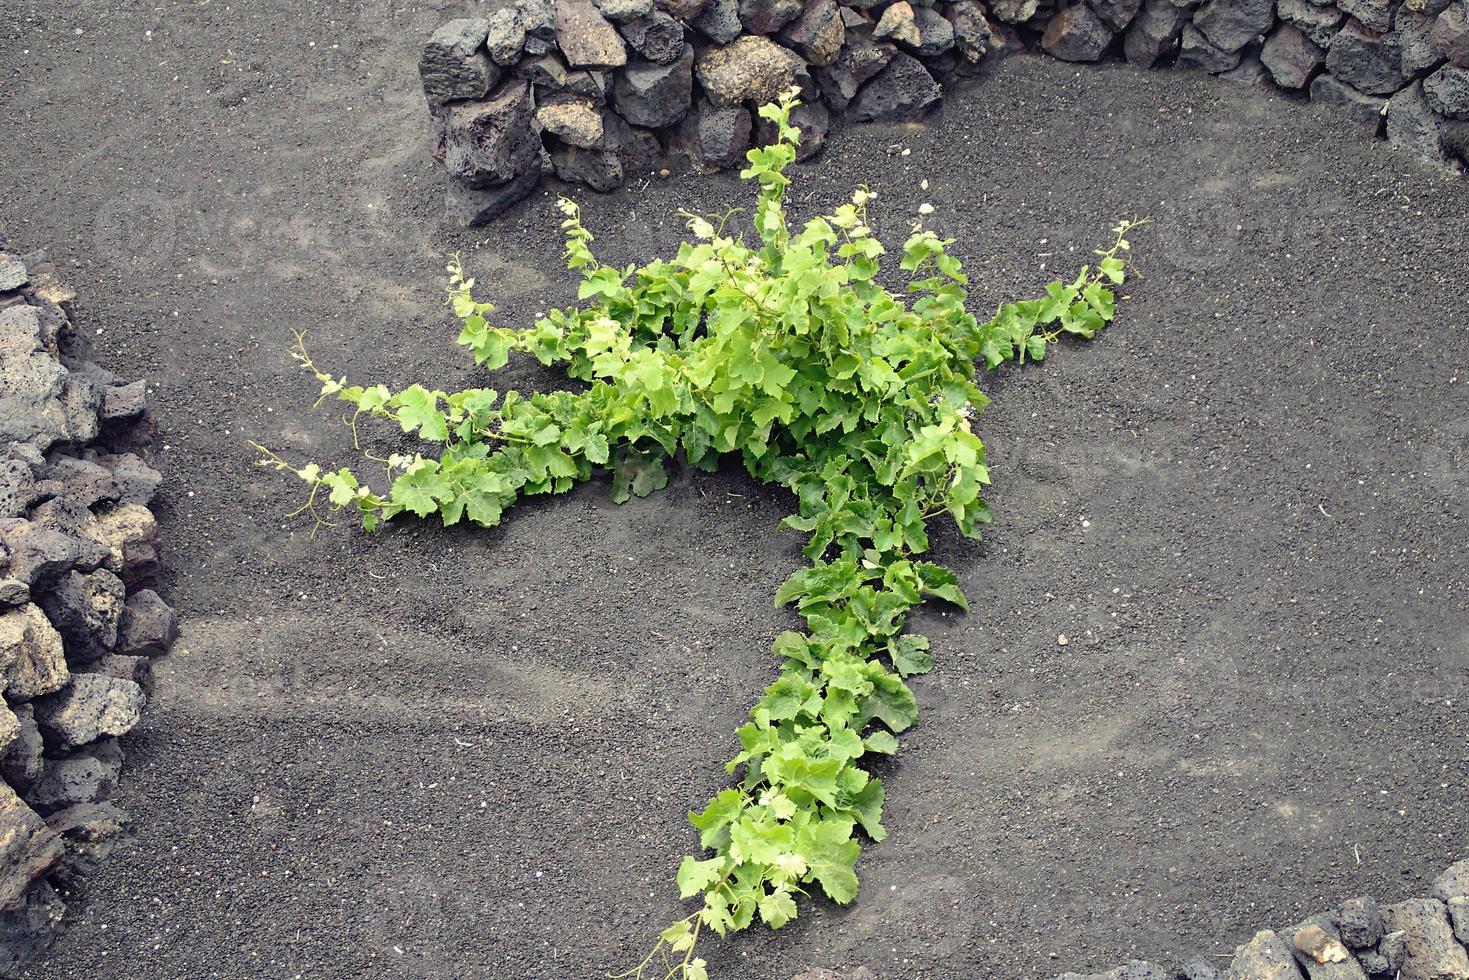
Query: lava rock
x=454, y=64
x=1155, y=32
x=719, y=21
x=904, y=90
x=859, y=60
x=899, y=23
x=1231, y=24
x=1266, y=957
x=811, y=119
x=137, y=482
x=1365, y=60
x=138, y=670
x=91, y=831
x=1116, y=14
x=1014, y=11
x=685, y=10
x=622, y=11
x=1454, y=881
x=576, y=121
x=1375, y=15
x=719, y=136
x=130, y=534
x=1319, y=22
x=1430, y=950
x=1135, y=970
x=1320, y=952
x=1359, y=922
x=39, y=555
x=32, y=654
x=81, y=481
x=586, y=38
x=13, y=273
x=818, y=33
x=752, y=69
x=545, y=73
x=29, y=927
x=88, y=775
x=41, y=403
x=85, y=610
x=537, y=18
x=1451, y=33
x=767, y=16
x=1459, y=918
x=89, y=707
x=24, y=761
x=18, y=487
x=488, y=142
x=1362, y=109
x=13, y=592
x=470, y=205
x=653, y=95
x=625, y=150
x=973, y=34
x=1447, y=93
x=505, y=38
x=1076, y=34
x=28, y=848
x=1290, y=56
x=1199, y=968
x=657, y=37
x=1417, y=54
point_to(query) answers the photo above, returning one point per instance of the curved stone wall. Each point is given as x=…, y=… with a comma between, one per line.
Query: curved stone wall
x=79, y=623
x=595, y=93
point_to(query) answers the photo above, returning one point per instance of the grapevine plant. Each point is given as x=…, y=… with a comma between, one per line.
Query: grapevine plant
x=788, y=352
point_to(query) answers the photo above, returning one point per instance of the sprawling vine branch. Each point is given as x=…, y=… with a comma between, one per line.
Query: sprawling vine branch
x=790, y=354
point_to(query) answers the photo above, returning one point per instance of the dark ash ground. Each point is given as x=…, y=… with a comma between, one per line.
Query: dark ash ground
x=432, y=755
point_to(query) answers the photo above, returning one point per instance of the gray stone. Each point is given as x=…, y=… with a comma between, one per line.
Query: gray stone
x=1198, y=968
x=472, y=206
x=41, y=403
x=1359, y=922
x=1290, y=56
x=130, y=534
x=91, y=831
x=1430, y=950
x=1451, y=33
x=1413, y=126
x=1386, y=958
x=1362, y=109
x=32, y=654
x=1154, y=32
x=899, y=23
x=767, y=16
x=506, y=37
x=585, y=37
x=904, y=90
x=1417, y=54
x=13, y=592
x=537, y=19
x=1231, y=24
x=1365, y=60
x=489, y=142
x=13, y=273
x=137, y=481
x=811, y=119
x=657, y=37
x=622, y=11
x=1265, y=957
x=1014, y=11
x=859, y=60
x=1459, y=918
x=1076, y=34
x=1135, y=970
x=454, y=64
x=139, y=670
x=81, y=481
x=974, y=37
x=1319, y=22
x=575, y=121
x=18, y=489
x=88, y=775
x=719, y=136
x=719, y=21
x=1375, y=15
x=652, y=95
x=23, y=760
x=625, y=151
x=536, y=46
x=39, y=555
x=1249, y=71
x=29, y=927
x=1319, y=951
x=1447, y=93
x=1116, y=14
x=818, y=33
x=1453, y=882
x=752, y=69
x=89, y=707
x=547, y=73
x=85, y=610
x=1431, y=8
x=685, y=10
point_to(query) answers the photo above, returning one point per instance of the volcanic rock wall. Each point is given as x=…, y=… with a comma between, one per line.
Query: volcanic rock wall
x=595, y=93
x=78, y=624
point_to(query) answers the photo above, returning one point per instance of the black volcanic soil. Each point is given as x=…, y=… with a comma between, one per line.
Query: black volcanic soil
x=433, y=754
